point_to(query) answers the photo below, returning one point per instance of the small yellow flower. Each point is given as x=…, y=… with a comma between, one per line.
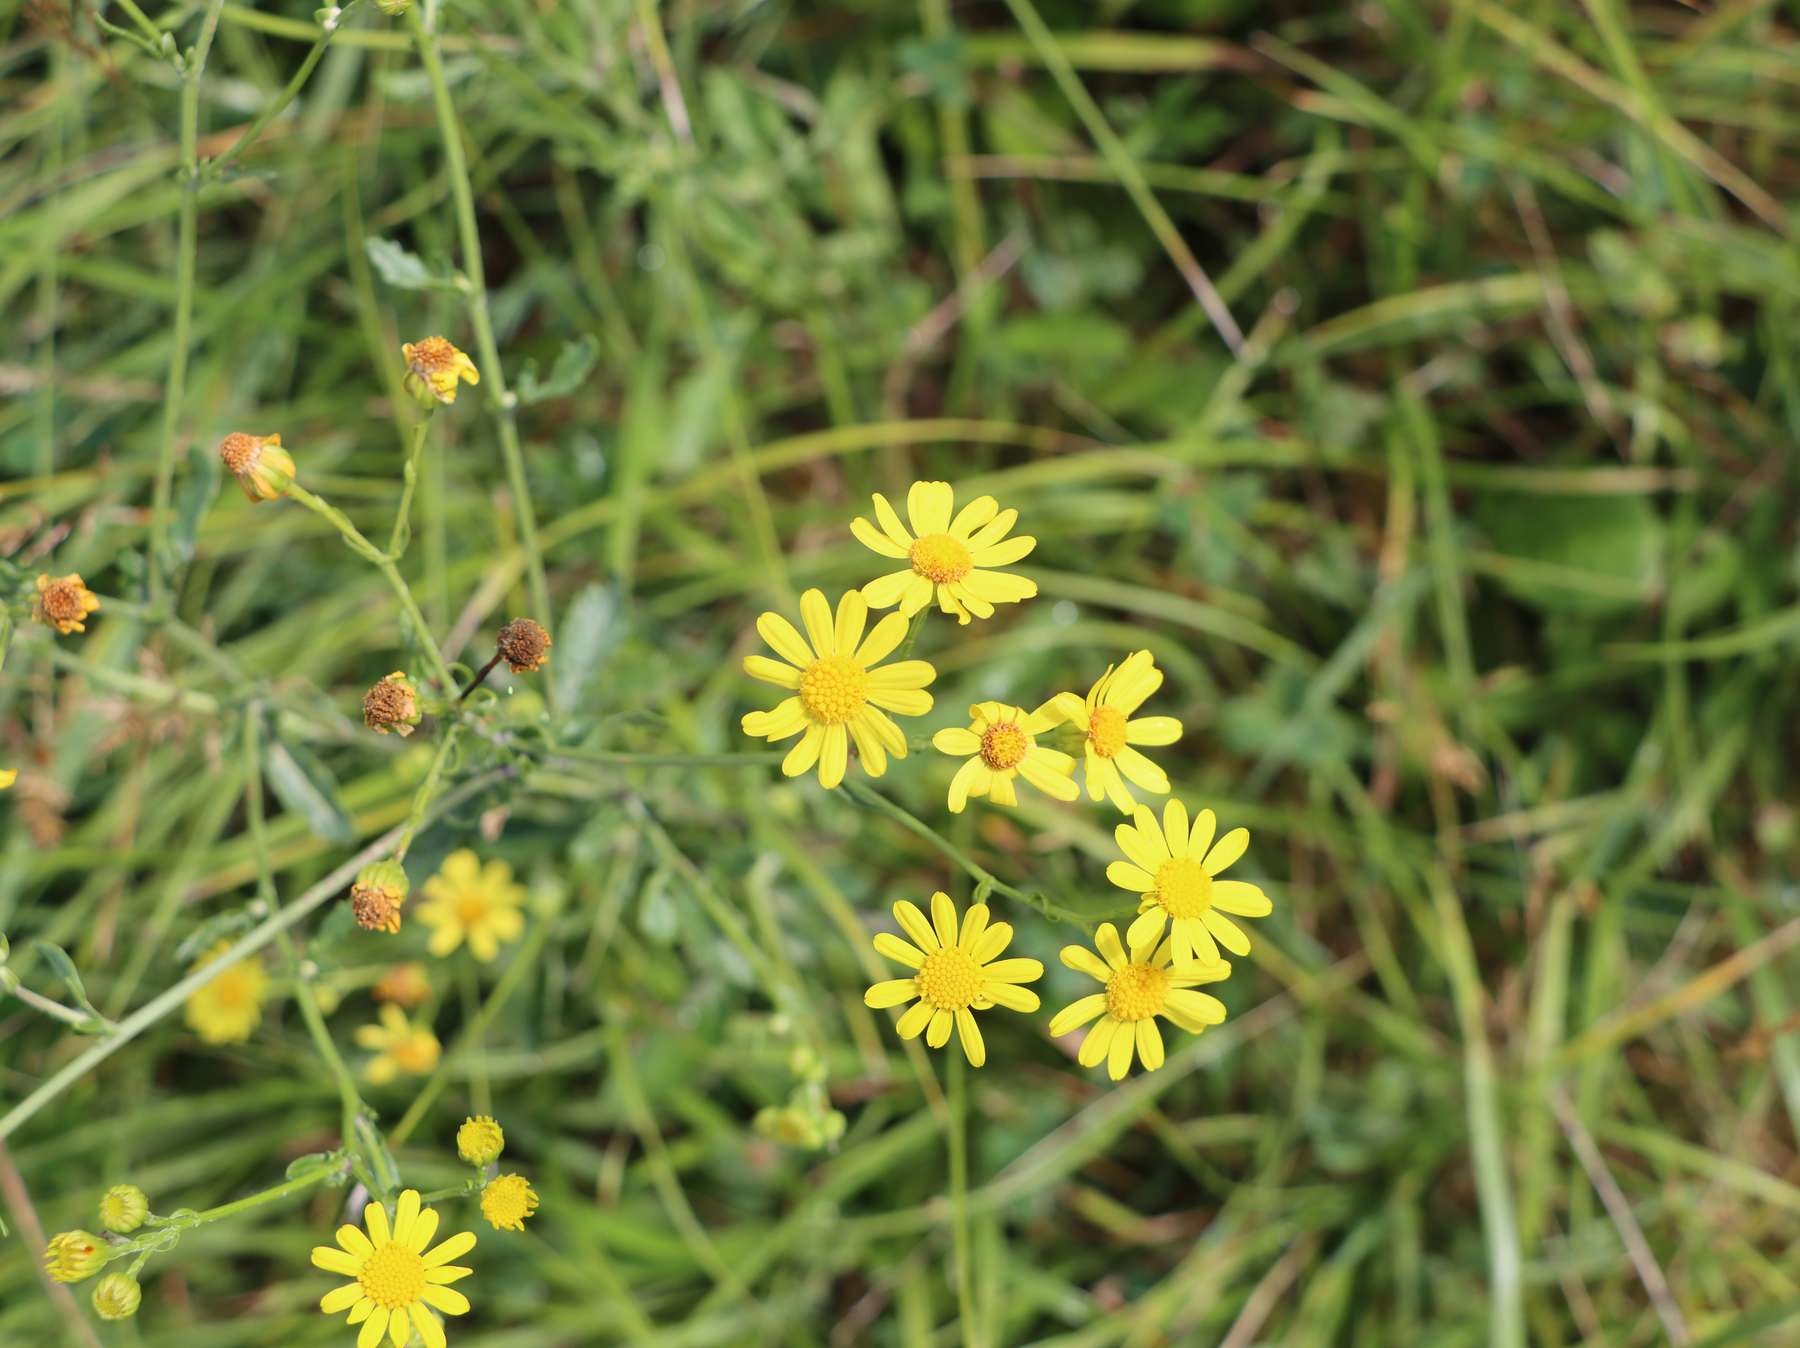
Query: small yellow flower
x=261, y=466
x=480, y=1140
x=840, y=695
x=228, y=1006
x=392, y=704
x=123, y=1208
x=945, y=555
x=1138, y=989
x=1000, y=745
x=407, y=984
x=1176, y=876
x=1105, y=718
x=399, y=1046
x=507, y=1201
x=117, y=1296
x=7, y=777
x=957, y=973
x=74, y=1255
x=433, y=367
x=397, y=1281
x=468, y=901
x=63, y=602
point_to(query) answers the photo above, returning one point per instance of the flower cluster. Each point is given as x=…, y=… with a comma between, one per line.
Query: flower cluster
x=844, y=692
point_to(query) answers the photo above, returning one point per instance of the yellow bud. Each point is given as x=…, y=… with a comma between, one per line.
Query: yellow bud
x=116, y=1296
x=261, y=466
x=480, y=1141
x=74, y=1255
x=123, y=1208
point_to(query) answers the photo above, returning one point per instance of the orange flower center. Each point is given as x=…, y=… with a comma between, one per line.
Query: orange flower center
x=941, y=559
x=1136, y=992
x=240, y=452
x=393, y=1276
x=417, y=1053
x=62, y=601
x=948, y=979
x=1106, y=730
x=432, y=355
x=834, y=689
x=1003, y=746
x=1182, y=888
x=471, y=909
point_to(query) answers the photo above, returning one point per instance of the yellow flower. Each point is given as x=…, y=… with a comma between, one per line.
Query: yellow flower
x=957, y=973
x=396, y=1277
x=480, y=1140
x=1176, y=875
x=399, y=1046
x=507, y=1201
x=466, y=900
x=947, y=555
x=1000, y=745
x=73, y=1255
x=1138, y=990
x=1105, y=718
x=433, y=366
x=7, y=777
x=228, y=1006
x=63, y=602
x=261, y=466
x=408, y=984
x=839, y=693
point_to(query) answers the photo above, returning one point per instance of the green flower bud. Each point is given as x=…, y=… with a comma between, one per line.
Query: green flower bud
x=73, y=1255
x=117, y=1296
x=124, y=1208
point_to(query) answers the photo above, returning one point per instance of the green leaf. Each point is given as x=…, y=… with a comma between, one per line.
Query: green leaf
x=193, y=498
x=590, y=631
x=405, y=270
x=311, y=1164
x=572, y=365
x=306, y=787
x=1574, y=554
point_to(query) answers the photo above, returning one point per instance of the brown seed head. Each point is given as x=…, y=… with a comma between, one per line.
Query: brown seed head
x=524, y=645
x=261, y=466
x=63, y=602
x=375, y=909
x=391, y=705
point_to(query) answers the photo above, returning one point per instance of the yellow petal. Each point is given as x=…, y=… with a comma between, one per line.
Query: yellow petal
x=834, y=755
x=815, y=615
x=876, y=541
x=891, y=993
x=903, y=952
x=970, y=1034
x=943, y=918
x=913, y=923
x=1077, y=1014
x=1227, y=850
x=782, y=639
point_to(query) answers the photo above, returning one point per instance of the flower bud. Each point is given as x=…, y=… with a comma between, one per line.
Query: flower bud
x=261, y=466
x=524, y=645
x=73, y=1255
x=123, y=1208
x=392, y=704
x=480, y=1140
x=116, y=1296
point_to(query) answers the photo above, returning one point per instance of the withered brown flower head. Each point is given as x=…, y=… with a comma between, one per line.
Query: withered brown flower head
x=261, y=466
x=391, y=705
x=524, y=645
x=63, y=602
x=376, y=909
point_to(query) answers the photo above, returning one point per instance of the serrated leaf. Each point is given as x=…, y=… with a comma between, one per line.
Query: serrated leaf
x=571, y=367
x=402, y=269
x=304, y=786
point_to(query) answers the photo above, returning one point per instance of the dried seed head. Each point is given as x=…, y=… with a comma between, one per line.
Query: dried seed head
x=63, y=602
x=524, y=646
x=433, y=367
x=375, y=899
x=392, y=704
x=261, y=466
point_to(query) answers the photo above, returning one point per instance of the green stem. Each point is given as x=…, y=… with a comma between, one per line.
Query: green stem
x=958, y=1126
x=175, y=385
x=471, y=999
x=502, y=401
x=402, y=535
x=213, y=168
x=142, y=20
x=427, y=789
x=164, y=1233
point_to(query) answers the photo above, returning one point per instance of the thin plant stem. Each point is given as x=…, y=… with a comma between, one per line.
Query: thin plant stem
x=957, y=1127
x=427, y=789
x=214, y=168
x=402, y=535
x=479, y=679
x=156, y=1236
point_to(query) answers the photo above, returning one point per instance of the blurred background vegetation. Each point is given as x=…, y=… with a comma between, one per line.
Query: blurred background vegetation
x=1416, y=380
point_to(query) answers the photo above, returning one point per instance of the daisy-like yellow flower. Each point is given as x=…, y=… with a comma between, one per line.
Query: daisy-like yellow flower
x=956, y=973
x=399, y=1046
x=950, y=557
x=64, y=602
x=398, y=1283
x=228, y=1006
x=507, y=1201
x=1174, y=870
x=468, y=901
x=839, y=694
x=1000, y=745
x=1105, y=718
x=1138, y=989
x=433, y=367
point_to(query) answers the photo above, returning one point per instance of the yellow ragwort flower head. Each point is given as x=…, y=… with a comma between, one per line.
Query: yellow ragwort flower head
x=956, y=973
x=399, y=1046
x=433, y=367
x=228, y=1006
x=397, y=1282
x=943, y=555
x=1138, y=989
x=1174, y=870
x=468, y=901
x=392, y=704
x=261, y=466
x=839, y=693
x=117, y=1296
x=480, y=1140
x=74, y=1255
x=524, y=645
x=123, y=1208
x=1001, y=745
x=407, y=984
x=64, y=602
x=507, y=1201
x=1105, y=718
x=377, y=896
x=7, y=777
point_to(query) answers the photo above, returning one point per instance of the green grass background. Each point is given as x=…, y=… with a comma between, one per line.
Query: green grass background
x=1474, y=577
